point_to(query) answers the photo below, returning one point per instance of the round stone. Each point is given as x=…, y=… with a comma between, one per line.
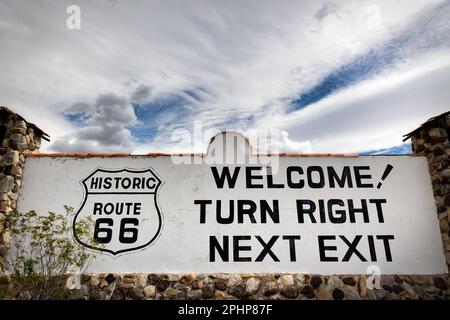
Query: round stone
x=289, y=292
x=186, y=280
x=220, y=295
x=409, y=280
x=397, y=288
x=173, y=277
x=94, y=281
x=194, y=294
x=334, y=282
x=349, y=281
x=338, y=294
x=308, y=291
x=196, y=284
x=152, y=278
x=351, y=293
x=397, y=279
x=118, y=295
x=440, y=283
x=141, y=281
x=315, y=281
x=287, y=280
x=270, y=288
x=149, y=291
x=323, y=293
x=410, y=290
x=162, y=284
x=208, y=291
x=171, y=293
x=135, y=294
x=234, y=280
x=110, y=278
x=6, y=184
x=388, y=288
x=238, y=290
x=252, y=286
x=220, y=284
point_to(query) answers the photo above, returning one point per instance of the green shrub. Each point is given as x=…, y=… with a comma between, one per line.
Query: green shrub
x=42, y=253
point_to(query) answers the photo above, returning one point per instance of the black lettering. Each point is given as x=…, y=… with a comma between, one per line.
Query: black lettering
x=98, y=208
x=267, y=249
x=352, y=248
x=96, y=183
x=124, y=232
x=223, y=251
x=387, y=248
x=360, y=177
x=107, y=183
x=136, y=183
x=270, y=183
x=128, y=205
x=150, y=184
x=106, y=238
x=334, y=178
x=220, y=180
x=224, y=220
x=108, y=208
x=250, y=210
x=373, y=253
x=249, y=177
x=322, y=211
x=273, y=213
x=301, y=211
x=202, y=204
x=237, y=248
x=119, y=208
x=294, y=185
x=126, y=183
x=337, y=216
x=117, y=180
x=323, y=248
x=292, y=252
x=137, y=208
x=352, y=210
x=378, y=203
x=311, y=183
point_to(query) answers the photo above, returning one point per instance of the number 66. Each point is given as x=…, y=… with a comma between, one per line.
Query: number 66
x=126, y=234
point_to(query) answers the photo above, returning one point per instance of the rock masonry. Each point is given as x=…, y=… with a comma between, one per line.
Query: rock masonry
x=430, y=140
x=17, y=136
x=273, y=286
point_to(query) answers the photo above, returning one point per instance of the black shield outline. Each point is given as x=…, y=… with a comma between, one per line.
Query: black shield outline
x=160, y=220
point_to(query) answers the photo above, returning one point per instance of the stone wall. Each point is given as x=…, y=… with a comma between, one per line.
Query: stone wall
x=16, y=137
x=252, y=287
x=259, y=286
x=432, y=140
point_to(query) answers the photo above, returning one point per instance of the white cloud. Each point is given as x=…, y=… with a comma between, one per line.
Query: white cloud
x=327, y=9
x=141, y=94
x=106, y=126
x=245, y=57
x=374, y=114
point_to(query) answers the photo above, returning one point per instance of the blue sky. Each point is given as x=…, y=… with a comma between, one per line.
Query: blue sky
x=329, y=76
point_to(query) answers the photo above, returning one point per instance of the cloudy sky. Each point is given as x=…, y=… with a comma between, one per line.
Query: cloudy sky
x=145, y=76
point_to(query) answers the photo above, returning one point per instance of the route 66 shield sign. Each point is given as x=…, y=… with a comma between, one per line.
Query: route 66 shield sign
x=123, y=207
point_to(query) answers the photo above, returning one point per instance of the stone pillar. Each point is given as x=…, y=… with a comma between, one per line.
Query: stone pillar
x=17, y=136
x=431, y=139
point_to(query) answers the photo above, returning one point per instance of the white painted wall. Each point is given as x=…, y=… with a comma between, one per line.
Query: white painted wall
x=183, y=244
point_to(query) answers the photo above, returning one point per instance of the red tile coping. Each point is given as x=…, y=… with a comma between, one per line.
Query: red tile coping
x=162, y=154
x=45, y=136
